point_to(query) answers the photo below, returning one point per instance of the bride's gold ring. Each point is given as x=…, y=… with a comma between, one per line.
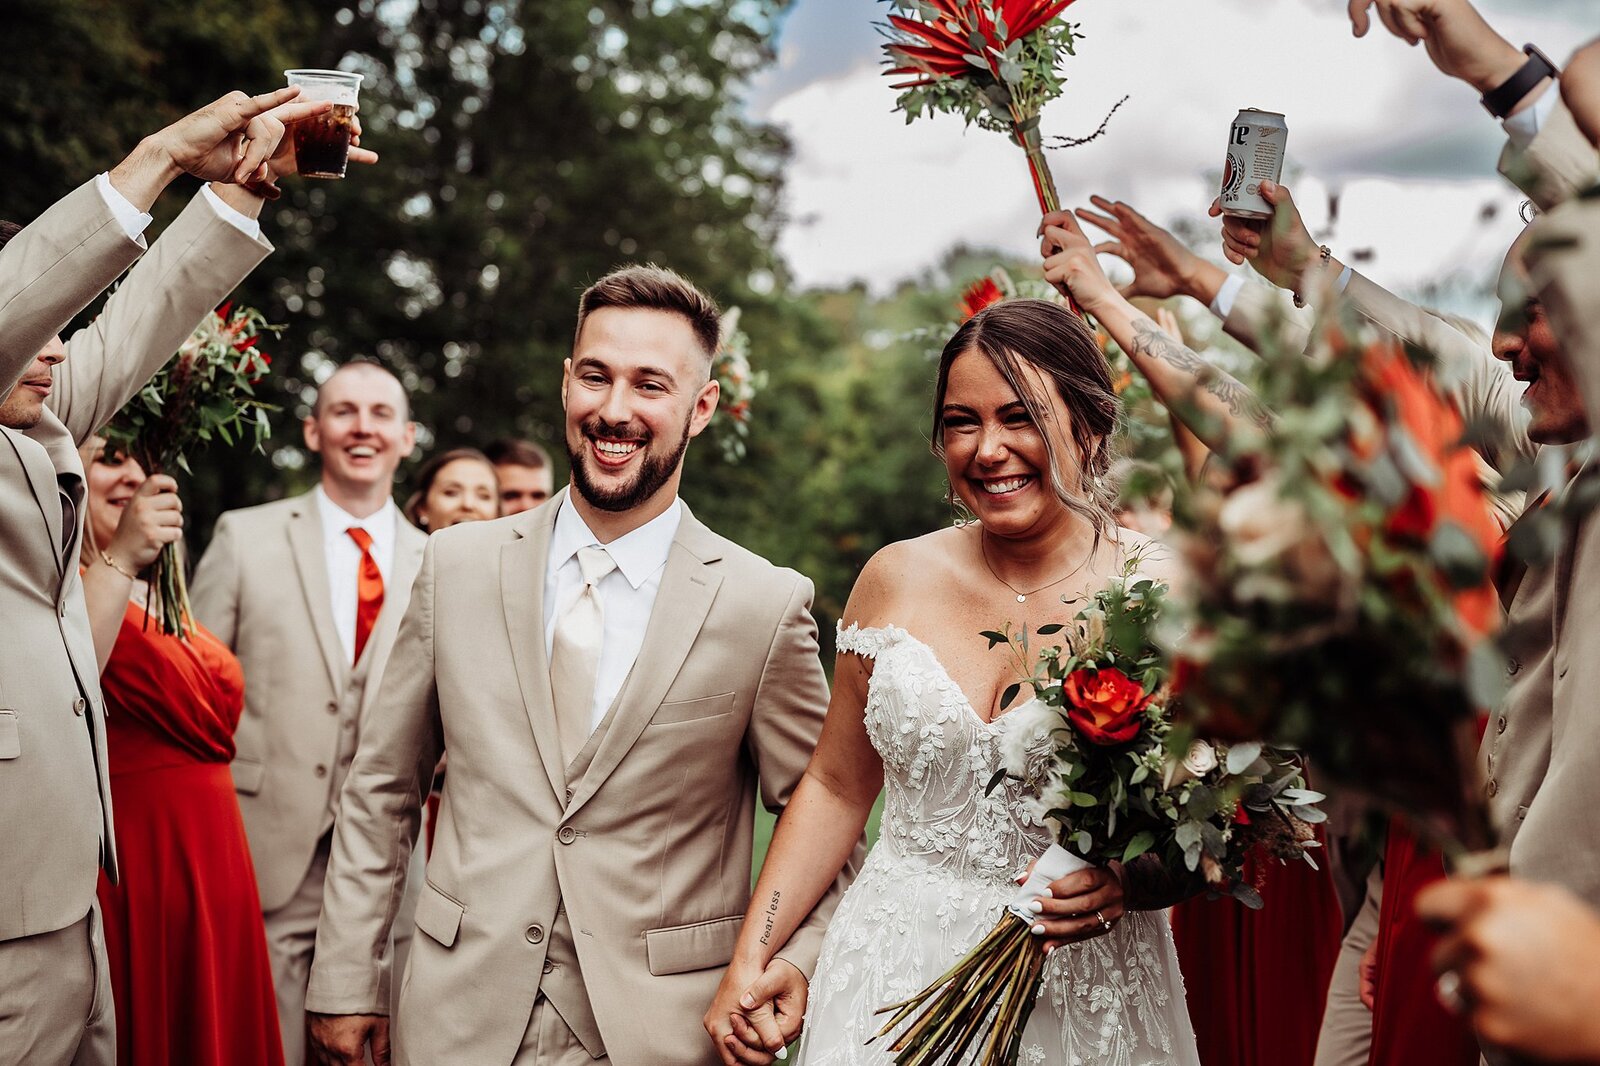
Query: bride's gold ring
x=1105, y=926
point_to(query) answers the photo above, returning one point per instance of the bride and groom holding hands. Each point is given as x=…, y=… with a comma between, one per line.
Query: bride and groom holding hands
x=614, y=683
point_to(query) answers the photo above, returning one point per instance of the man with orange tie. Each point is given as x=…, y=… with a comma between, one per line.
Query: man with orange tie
x=298, y=588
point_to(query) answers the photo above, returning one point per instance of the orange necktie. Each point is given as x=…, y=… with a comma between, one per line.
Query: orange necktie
x=369, y=588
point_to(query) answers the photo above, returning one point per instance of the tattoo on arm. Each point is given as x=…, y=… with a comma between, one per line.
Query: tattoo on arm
x=1149, y=340
x=771, y=917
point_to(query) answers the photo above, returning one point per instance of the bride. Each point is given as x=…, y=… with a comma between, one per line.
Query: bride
x=1023, y=415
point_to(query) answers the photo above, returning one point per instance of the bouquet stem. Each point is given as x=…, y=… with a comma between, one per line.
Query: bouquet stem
x=990, y=991
x=170, y=591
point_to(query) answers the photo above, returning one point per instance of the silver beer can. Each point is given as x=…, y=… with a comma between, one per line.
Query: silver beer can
x=1255, y=154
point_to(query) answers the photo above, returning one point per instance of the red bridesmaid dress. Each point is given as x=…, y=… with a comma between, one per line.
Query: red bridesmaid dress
x=1409, y=1027
x=189, y=971
x=1256, y=981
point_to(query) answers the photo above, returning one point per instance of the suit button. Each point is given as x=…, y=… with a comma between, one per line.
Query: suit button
x=569, y=795
x=535, y=934
x=1500, y=724
x=79, y=705
x=1513, y=667
x=548, y=965
x=61, y=608
x=322, y=771
x=333, y=706
x=566, y=834
x=1494, y=787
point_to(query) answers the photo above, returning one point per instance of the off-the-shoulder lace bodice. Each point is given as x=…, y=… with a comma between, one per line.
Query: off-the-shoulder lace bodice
x=942, y=872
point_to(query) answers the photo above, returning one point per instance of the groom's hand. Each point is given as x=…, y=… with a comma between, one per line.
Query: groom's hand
x=342, y=1039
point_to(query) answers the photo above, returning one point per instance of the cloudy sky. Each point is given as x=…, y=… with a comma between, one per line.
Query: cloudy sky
x=1409, y=153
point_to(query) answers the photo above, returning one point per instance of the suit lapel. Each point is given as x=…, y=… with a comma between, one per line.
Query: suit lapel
x=688, y=587
x=46, y=489
x=311, y=561
x=522, y=578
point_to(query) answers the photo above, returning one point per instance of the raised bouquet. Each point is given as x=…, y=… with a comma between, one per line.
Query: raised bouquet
x=204, y=394
x=1113, y=777
x=1341, y=597
x=993, y=62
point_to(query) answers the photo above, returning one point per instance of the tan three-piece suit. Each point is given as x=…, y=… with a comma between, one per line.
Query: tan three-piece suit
x=1539, y=777
x=263, y=589
x=55, y=807
x=611, y=888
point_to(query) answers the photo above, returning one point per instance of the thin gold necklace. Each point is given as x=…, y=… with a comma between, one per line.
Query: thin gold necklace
x=1022, y=597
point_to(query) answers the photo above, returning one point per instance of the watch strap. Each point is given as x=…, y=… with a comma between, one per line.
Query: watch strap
x=1500, y=100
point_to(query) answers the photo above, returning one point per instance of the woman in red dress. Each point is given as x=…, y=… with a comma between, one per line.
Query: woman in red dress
x=189, y=973
x=1256, y=979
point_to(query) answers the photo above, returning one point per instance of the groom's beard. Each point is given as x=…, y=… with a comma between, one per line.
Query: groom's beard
x=655, y=468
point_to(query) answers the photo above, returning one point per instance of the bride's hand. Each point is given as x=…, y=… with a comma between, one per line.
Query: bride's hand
x=755, y=1014
x=1081, y=906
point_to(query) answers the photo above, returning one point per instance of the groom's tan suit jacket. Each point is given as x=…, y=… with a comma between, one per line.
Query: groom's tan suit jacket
x=615, y=886
x=262, y=588
x=55, y=805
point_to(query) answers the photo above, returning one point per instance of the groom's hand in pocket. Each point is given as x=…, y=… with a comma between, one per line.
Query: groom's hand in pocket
x=1080, y=906
x=342, y=1039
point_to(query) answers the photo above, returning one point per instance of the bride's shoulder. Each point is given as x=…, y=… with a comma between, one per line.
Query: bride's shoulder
x=887, y=586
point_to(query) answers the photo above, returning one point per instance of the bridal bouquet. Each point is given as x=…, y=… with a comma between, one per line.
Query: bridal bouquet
x=205, y=393
x=1341, y=594
x=1114, y=778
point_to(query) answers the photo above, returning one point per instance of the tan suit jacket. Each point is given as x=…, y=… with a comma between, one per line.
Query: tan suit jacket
x=55, y=807
x=649, y=857
x=262, y=588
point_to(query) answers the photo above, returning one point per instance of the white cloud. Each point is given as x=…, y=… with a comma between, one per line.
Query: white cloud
x=1410, y=152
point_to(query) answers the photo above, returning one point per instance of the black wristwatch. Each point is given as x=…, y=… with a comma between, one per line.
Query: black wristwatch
x=1500, y=100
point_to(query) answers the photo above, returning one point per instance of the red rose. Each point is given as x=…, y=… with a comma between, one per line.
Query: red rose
x=1105, y=705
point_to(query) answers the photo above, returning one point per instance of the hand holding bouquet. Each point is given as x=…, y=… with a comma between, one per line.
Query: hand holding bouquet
x=1114, y=778
x=206, y=393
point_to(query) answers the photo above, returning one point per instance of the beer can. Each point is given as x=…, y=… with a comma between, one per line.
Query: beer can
x=1255, y=154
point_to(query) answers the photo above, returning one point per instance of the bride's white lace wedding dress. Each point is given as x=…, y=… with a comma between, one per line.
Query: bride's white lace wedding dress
x=940, y=876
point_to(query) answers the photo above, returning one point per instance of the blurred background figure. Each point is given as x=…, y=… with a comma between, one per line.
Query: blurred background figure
x=527, y=478
x=458, y=486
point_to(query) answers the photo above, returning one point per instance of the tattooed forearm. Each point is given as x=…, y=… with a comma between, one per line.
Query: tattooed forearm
x=1149, y=340
x=771, y=917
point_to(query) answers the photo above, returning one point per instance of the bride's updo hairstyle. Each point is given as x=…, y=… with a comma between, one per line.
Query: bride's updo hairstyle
x=1056, y=342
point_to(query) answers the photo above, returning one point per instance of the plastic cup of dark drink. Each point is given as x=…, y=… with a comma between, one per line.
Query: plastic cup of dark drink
x=322, y=144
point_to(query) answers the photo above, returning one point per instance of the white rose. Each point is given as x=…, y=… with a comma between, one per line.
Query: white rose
x=1262, y=527
x=1022, y=737
x=1200, y=759
x=1260, y=524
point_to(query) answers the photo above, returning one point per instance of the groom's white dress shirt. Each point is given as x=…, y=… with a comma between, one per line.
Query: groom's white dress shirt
x=627, y=594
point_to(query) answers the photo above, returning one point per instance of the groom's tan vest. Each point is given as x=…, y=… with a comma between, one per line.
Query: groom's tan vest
x=646, y=867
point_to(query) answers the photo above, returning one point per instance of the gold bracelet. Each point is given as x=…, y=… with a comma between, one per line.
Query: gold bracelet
x=105, y=557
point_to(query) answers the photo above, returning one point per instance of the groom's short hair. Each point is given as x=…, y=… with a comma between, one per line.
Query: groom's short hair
x=655, y=288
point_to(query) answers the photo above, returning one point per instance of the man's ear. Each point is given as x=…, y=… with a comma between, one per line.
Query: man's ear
x=408, y=440
x=566, y=378
x=312, y=433
x=705, y=405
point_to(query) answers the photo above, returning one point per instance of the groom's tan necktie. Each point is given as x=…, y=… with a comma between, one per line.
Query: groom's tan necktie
x=575, y=654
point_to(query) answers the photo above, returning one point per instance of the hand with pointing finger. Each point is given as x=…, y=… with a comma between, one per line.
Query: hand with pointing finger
x=229, y=140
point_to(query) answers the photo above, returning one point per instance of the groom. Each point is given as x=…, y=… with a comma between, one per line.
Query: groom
x=613, y=681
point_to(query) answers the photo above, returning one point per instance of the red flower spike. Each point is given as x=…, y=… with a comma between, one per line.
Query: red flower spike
x=980, y=294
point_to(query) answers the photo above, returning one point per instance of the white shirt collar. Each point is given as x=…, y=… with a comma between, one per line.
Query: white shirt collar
x=638, y=554
x=336, y=521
